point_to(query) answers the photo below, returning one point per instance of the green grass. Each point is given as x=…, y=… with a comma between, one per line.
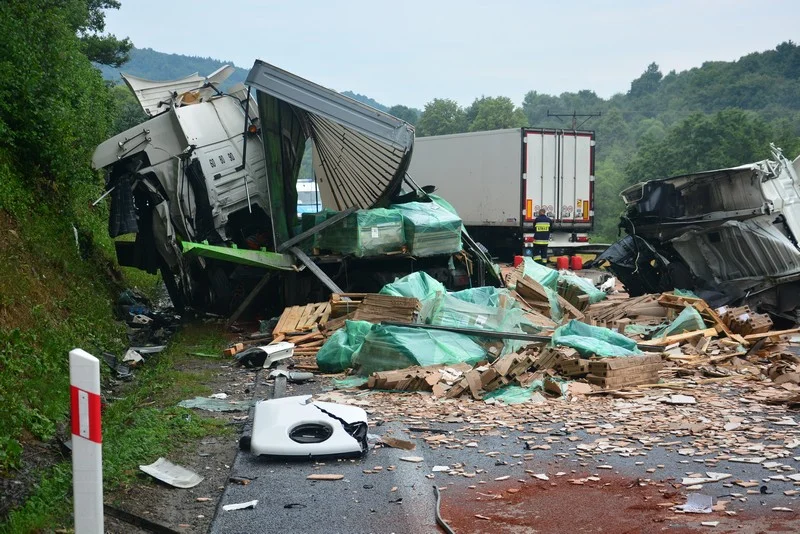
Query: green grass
x=55, y=296
x=137, y=429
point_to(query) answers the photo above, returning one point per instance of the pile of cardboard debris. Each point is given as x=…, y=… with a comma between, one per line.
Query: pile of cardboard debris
x=646, y=340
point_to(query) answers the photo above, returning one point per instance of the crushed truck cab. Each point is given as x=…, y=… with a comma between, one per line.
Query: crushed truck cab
x=209, y=186
x=730, y=233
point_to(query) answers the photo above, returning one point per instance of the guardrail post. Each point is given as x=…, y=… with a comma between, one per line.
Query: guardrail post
x=87, y=439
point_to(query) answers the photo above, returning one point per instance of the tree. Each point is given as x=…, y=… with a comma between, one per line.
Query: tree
x=703, y=142
x=442, y=116
x=647, y=83
x=494, y=113
x=54, y=106
x=127, y=111
x=89, y=25
x=410, y=115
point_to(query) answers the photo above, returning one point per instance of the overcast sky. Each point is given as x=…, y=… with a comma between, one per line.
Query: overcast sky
x=410, y=51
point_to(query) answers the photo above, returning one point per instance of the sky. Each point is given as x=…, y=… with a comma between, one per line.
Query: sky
x=410, y=51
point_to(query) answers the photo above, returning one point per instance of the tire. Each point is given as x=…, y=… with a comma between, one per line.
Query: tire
x=174, y=291
x=221, y=292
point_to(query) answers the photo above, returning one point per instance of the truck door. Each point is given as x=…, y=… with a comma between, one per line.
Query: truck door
x=558, y=176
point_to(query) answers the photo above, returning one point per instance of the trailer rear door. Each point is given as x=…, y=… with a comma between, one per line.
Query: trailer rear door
x=558, y=174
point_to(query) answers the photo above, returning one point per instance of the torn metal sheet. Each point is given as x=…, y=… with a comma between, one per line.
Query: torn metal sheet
x=360, y=155
x=155, y=97
x=727, y=234
x=300, y=427
x=174, y=475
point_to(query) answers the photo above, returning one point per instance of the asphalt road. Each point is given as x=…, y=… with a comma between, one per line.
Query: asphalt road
x=366, y=503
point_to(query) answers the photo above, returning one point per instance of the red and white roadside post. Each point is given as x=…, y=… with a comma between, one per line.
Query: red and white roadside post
x=87, y=442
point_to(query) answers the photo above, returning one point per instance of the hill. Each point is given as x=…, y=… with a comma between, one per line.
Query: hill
x=152, y=65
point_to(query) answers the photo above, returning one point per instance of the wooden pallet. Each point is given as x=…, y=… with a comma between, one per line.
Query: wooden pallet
x=345, y=303
x=376, y=308
x=298, y=319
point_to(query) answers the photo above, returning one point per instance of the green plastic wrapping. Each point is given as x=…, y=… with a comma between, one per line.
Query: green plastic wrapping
x=395, y=347
x=430, y=228
x=593, y=340
x=487, y=296
x=365, y=233
x=514, y=394
x=640, y=329
x=309, y=221
x=544, y=275
x=595, y=295
x=349, y=382
x=686, y=321
x=336, y=354
x=684, y=293
x=451, y=311
x=419, y=285
x=548, y=278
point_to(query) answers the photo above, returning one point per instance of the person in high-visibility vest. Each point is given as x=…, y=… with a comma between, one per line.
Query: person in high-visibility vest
x=541, y=236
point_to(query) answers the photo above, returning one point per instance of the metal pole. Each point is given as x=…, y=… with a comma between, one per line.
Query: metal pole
x=87, y=442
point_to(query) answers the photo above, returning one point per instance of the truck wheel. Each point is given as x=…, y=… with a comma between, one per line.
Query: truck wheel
x=174, y=291
x=221, y=292
x=244, y=443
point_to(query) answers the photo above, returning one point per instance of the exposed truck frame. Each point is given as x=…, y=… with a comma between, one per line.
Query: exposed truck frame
x=499, y=180
x=729, y=234
x=208, y=187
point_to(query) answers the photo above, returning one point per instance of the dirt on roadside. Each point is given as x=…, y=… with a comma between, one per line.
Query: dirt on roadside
x=190, y=510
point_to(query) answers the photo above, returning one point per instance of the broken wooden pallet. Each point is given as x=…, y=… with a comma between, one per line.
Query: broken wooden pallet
x=302, y=318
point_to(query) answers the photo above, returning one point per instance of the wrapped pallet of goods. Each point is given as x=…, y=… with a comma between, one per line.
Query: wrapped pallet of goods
x=365, y=233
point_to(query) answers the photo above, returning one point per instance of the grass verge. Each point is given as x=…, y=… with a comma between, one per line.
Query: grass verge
x=137, y=428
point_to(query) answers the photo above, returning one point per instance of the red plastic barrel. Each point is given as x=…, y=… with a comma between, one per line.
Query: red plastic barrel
x=517, y=260
x=576, y=263
x=562, y=263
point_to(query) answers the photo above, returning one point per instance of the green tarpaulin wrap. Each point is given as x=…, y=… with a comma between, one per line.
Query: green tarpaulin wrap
x=487, y=296
x=396, y=347
x=430, y=229
x=309, y=221
x=365, y=233
x=595, y=295
x=593, y=340
x=548, y=278
x=349, y=382
x=686, y=321
x=634, y=329
x=684, y=293
x=514, y=394
x=544, y=275
x=336, y=354
x=447, y=310
x=419, y=285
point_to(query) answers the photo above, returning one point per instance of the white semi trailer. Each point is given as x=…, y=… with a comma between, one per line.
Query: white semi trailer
x=499, y=180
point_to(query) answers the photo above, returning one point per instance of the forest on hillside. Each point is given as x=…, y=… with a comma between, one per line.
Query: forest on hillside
x=717, y=115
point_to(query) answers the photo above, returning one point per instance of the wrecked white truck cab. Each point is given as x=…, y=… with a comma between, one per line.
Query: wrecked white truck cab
x=729, y=234
x=158, y=174
x=209, y=187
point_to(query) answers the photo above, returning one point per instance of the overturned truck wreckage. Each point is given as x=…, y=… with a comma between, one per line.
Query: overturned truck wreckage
x=209, y=187
x=730, y=235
